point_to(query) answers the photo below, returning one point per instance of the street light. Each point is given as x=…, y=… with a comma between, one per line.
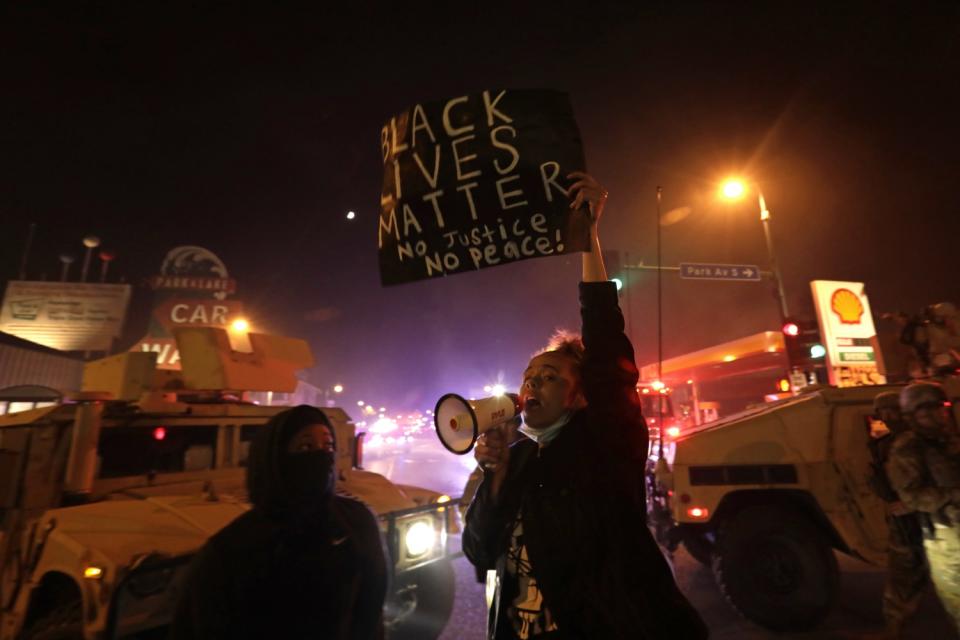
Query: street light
x=91, y=243
x=240, y=325
x=734, y=189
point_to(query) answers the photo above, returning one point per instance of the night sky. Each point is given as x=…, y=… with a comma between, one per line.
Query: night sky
x=253, y=133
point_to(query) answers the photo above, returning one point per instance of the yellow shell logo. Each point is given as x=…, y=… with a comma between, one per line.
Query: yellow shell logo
x=846, y=304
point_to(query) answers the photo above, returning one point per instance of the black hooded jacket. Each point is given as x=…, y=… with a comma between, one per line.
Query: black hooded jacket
x=583, y=509
x=280, y=570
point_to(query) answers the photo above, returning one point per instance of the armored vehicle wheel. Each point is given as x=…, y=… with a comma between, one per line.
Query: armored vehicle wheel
x=63, y=623
x=699, y=543
x=436, y=585
x=775, y=568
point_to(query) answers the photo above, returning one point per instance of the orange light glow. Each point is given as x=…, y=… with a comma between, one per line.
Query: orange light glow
x=733, y=189
x=93, y=573
x=673, y=432
x=698, y=512
x=729, y=358
x=784, y=385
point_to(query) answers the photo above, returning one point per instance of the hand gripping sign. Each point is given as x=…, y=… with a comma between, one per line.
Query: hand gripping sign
x=477, y=181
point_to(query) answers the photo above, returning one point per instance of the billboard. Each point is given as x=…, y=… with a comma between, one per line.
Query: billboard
x=846, y=326
x=191, y=290
x=68, y=316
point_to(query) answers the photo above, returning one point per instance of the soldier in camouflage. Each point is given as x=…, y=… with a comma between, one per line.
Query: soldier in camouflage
x=924, y=469
x=907, y=573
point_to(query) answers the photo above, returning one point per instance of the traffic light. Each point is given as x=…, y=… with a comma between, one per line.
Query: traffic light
x=804, y=348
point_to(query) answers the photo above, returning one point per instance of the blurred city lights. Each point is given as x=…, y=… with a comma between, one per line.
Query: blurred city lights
x=658, y=384
x=338, y=388
x=240, y=325
x=498, y=389
x=383, y=425
x=818, y=351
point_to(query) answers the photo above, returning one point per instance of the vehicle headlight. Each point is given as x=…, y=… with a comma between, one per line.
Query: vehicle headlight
x=419, y=538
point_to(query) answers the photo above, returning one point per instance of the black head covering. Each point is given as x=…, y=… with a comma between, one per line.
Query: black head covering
x=265, y=483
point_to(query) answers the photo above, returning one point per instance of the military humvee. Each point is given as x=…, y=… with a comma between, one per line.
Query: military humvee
x=105, y=499
x=765, y=497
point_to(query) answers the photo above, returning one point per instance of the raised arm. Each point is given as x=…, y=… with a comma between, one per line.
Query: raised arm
x=588, y=190
x=609, y=370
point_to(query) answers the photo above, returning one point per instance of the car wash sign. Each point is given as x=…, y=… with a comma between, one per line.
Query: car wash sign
x=191, y=290
x=477, y=181
x=847, y=329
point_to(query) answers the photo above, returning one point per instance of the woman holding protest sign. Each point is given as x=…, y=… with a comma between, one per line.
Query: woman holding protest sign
x=561, y=514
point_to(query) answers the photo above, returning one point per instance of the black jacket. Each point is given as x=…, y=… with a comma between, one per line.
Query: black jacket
x=599, y=569
x=275, y=573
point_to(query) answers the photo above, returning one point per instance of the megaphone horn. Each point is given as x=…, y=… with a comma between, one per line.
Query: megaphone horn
x=459, y=422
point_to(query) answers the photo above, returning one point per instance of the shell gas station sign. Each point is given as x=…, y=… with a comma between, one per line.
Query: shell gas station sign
x=848, y=332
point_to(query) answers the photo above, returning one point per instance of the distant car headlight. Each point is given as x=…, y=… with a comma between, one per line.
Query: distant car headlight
x=419, y=538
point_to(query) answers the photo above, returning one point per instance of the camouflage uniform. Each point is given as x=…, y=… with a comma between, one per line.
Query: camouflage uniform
x=926, y=474
x=907, y=571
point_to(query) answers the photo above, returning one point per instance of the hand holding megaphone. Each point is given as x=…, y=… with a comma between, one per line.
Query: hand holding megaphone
x=460, y=423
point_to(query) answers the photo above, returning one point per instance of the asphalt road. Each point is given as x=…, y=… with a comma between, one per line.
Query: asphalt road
x=857, y=613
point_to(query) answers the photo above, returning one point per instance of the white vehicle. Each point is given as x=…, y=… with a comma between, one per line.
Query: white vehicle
x=103, y=502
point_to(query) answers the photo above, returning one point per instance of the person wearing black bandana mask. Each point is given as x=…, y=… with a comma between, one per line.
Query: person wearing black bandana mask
x=560, y=515
x=303, y=562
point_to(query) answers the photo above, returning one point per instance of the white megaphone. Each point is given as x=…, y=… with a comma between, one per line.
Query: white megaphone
x=459, y=422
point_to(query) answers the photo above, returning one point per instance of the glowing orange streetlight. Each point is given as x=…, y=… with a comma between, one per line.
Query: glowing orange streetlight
x=240, y=325
x=733, y=189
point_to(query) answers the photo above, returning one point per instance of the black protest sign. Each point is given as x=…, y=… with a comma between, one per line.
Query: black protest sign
x=478, y=181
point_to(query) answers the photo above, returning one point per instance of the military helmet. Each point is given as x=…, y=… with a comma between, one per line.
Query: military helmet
x=944, y=310
x=918, y=393
x=886, y=400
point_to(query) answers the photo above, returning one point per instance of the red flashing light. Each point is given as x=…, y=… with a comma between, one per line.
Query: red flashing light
x=159, y=433
x=791, y=329
x=698, y=512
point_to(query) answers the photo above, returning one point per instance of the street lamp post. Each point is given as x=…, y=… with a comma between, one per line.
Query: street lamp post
x=734, y=190
x=774, y=265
